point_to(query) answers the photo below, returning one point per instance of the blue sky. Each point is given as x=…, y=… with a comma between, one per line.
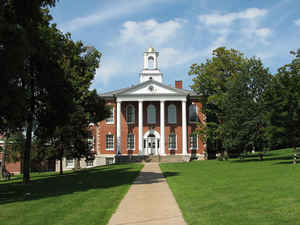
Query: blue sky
x=183, y=31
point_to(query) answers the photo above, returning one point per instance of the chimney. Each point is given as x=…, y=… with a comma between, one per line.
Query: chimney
x=178, y=84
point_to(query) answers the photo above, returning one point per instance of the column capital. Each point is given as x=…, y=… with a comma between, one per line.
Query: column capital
x=140, y=100
x=183, y=100
x=119, y=101
x=162, y=100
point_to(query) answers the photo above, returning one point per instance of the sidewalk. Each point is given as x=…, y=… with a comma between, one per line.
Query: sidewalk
x=149, y=201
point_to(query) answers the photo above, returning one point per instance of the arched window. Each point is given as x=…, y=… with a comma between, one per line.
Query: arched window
x=193, y=116
x=172, y=117
x=172, y=141
x=151, y=114
x=130, y=114
x=130, y=141
x=150, y=62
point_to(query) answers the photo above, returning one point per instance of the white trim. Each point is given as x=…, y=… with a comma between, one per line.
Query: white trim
x=158, y=98
x=109, y=149
x=127, y=106
x=172, y=122
x=70, y=166
x=193, y=122
x=130, y=149
x=175, y=142
x=149, y=114
x=196, y=140
x=113, y=116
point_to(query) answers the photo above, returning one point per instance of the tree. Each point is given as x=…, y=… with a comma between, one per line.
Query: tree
x=231, y=88
x=283, y=97
x=210, y=82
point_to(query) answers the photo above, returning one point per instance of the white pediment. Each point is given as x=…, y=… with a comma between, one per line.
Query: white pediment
x=152, y=89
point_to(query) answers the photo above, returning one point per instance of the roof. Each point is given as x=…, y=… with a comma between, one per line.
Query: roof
x=124, y=90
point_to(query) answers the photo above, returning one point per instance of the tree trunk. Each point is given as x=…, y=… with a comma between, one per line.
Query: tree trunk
x=226, y=156
x=26, y=162
x=61, y=166
x=3, y=169
x=295, y=155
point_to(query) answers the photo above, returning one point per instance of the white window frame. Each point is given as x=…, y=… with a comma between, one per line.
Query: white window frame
x=197, y=119
x=70, y=164
x=128, y=148
x=170, y=148
x=191, y=147
x=149, y=113
x=91, y=140
x=111, y=120
x=174, y=121
x=88, y=163
x=133, y=116
x=113, y=138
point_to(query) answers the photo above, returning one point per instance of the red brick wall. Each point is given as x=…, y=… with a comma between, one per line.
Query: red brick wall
x=104, y=128
x=13, y=167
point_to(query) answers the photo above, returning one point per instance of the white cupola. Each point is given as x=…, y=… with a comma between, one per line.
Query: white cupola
x=151, y=70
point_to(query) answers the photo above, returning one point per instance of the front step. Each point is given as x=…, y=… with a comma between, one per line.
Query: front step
x=152, y=158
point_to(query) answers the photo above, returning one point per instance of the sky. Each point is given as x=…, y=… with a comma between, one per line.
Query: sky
x=184, y=32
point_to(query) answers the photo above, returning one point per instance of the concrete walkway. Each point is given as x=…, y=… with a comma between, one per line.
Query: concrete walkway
x=149, y=201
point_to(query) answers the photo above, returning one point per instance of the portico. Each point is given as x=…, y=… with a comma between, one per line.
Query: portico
x=159, y=141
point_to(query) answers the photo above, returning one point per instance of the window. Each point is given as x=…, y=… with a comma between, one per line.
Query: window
x=193, y=141
x=89, y=163
x=150, y=62
x=91, y=141
x=110, y=119
x=130, y=114
x=130, y=141
x=151, y=114
x=172, y=113
x=193, y=117
x=70, y=163
x=172, y=141
x=109, y=142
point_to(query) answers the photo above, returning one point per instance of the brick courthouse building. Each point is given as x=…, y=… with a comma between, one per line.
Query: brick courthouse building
x=147, y=120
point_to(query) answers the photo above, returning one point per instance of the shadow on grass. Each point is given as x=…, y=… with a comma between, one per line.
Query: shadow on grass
x=55, y=185
x=286, y=162
x=264, y=159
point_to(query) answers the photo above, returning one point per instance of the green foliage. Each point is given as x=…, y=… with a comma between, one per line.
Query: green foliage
x=231, y=88
x=283, y=97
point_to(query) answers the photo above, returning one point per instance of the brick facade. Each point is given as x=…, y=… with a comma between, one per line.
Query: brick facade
x=103, y=129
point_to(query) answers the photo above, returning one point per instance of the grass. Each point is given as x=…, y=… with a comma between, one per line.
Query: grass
x=87, y=197
x=249, y=192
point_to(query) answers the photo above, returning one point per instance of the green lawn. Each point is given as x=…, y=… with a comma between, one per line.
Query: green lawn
x=248, y=192
x=86, y=197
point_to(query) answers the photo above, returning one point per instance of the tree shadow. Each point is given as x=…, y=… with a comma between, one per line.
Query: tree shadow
x=151, y=177
x=56, y=185
x=286, y=162
x=264, y=159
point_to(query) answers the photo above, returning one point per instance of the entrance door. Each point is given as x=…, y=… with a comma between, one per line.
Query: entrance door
x=150, y=142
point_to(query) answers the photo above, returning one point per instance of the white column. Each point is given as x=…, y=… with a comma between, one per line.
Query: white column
x=184, y=143
x=162, y=127
x=141, y=142
x=118, y=127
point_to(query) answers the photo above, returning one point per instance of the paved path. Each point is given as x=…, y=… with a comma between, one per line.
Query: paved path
x=149, y=201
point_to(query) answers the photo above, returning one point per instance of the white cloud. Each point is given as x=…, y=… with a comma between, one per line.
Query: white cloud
x=263, y=32
x=169, y=57
x=227, y=19
x=149, y=31
x=114, y=11
x=297, y=22
x=244, y=24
